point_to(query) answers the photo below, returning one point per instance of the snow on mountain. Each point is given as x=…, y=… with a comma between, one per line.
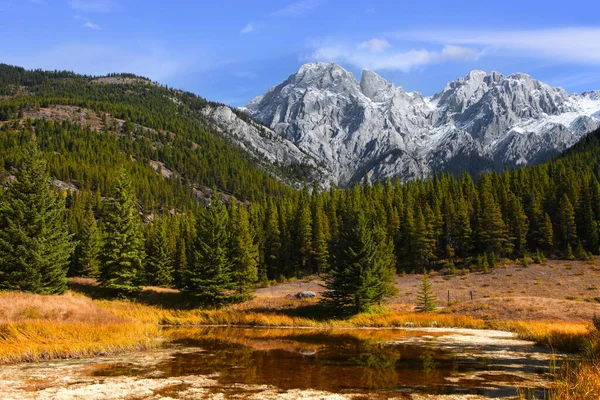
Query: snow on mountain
x=372, y=127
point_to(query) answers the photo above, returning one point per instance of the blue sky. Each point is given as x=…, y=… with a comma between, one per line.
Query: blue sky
x=231, y=51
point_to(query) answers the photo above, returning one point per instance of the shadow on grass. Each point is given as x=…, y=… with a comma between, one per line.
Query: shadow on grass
x=151, y=296
x=315, y=311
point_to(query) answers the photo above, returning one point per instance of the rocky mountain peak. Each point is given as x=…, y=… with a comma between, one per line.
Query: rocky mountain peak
x=324, y=76
x=480, y=121
x=374, y=86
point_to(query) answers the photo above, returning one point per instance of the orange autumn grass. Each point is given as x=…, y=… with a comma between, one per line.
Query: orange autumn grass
x=34, y=327
x=563, y=336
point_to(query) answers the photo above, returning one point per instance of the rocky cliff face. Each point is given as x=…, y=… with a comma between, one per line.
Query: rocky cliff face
x=374, y=128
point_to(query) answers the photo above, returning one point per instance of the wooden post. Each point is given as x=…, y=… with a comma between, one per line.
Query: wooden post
x=448, y=297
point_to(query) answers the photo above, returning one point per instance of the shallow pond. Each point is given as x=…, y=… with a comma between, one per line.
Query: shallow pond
x=222, y=362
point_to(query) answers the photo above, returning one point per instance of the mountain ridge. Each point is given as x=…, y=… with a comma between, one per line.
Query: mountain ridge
x=483, y=121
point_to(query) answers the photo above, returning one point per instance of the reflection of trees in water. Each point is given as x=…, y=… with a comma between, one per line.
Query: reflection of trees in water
x=428, y=358
x=379, y=364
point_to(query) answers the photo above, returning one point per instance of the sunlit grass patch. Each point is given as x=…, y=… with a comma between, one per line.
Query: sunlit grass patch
x=45, y=340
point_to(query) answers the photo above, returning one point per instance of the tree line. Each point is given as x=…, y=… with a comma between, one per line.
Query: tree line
x=358, y=238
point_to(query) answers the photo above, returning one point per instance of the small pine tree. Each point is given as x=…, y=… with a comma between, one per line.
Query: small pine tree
x=569, y=253
x=425, y=299
x=539, y=257
x=492, y=260
x=121, y=261
x=580, y=252
x=485, y=267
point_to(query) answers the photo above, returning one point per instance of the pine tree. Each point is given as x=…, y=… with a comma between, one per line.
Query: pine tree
x=363, y=266
x=546, y=234
x=518, y=224
x=209, y=277
x=425, y=299
x=303, y=237
x=243, y=251
x=35, y=246
x=491, y=229
x=272, y=246
x=566, y=228
x=159, y=265
x=86, y=257
x=121, y=260
x=320, y=239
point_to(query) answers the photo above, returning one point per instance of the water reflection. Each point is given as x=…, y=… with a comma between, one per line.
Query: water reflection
x=335, y=361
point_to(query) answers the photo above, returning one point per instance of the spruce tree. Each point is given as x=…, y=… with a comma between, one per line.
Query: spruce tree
x=272, y=246
x=35, y=246
x=209, y=276
x=491, y=229
x=425, y=298
x=243, y=251
x=121, y=260
x=159, y=264
x=320, y=239
x=303, y=237
x=86, y=256
x=566, y=228
x=363, y=267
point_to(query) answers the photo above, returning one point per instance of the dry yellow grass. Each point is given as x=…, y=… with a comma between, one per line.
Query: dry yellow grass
x=563, y=336
x=17, y=306
x=38, y=327
x=44, y=340
x=581, y=382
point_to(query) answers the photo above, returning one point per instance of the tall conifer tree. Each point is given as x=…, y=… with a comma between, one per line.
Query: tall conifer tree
x=86, y=257
x=159, y=264
x=35, y=246
x=243, y=251
x=209, y=276
x=121, y=261
x=363, y=266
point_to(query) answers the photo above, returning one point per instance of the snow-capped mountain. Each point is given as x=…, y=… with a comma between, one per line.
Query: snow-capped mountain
x=481, y=121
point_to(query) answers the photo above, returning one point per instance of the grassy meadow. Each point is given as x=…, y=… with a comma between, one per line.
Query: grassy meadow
x=82, y=323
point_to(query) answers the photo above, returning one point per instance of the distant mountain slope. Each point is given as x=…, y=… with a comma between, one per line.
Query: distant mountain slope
x=170, y=135
x=481, y=122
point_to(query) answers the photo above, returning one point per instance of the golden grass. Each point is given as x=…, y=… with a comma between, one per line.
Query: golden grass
x=580, y=382
x=563, y=336
x=34, y=327
x=44, y=340
x=18, y=306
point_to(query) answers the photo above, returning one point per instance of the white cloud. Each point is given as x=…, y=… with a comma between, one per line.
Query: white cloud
x=375, y=45
x=247, y=29
x=375, y=54
x=100, y=6
x=91, y=25
x=297, y=9
x=565, y=45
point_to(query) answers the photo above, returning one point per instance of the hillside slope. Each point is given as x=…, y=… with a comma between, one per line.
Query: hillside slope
x=172, y=142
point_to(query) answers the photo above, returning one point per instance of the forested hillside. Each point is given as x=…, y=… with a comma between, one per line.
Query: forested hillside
x=121, y=119
x=102, y=138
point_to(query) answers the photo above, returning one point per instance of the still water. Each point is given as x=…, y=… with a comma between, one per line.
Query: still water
x=388, y=363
